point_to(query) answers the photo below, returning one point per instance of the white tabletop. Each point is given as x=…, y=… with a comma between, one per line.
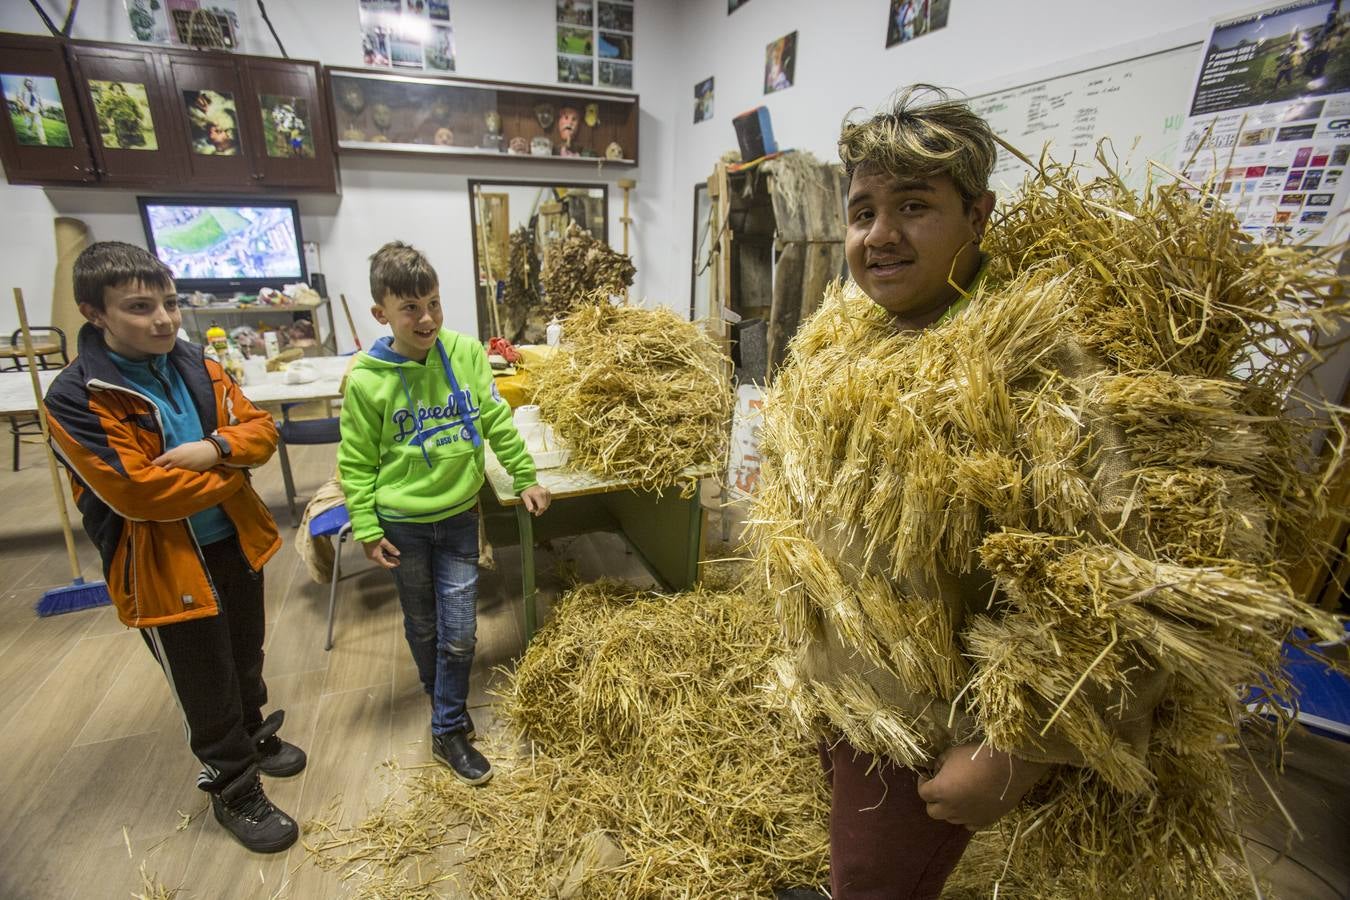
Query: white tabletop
x=274, y=388
x=16, y=388
x=16, y=391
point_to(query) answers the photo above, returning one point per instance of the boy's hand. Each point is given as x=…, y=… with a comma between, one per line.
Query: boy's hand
x=976, y=784
x=381, y=552
x=536, y=498
x=198, y=456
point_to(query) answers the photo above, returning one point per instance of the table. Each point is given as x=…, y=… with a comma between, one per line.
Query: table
x=16, y=388
x=16, y=391
x=665, y=531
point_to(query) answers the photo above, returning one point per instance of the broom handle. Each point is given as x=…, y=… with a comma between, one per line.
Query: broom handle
x=47, y=438
x=356, y=338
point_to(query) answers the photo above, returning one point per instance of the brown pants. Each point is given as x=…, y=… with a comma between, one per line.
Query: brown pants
x=883, y=844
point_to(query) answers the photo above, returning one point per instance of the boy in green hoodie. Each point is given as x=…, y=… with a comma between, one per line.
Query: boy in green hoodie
x=415, y=412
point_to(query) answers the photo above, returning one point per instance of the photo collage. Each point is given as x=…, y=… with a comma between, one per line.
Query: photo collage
x=595, y=42
x=407, y=34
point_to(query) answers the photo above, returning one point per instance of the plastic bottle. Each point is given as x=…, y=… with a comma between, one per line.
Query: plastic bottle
x=553, y=334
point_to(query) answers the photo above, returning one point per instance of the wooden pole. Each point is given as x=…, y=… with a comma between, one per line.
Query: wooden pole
x=57, y=489
x=627, y=184
x=481, y=220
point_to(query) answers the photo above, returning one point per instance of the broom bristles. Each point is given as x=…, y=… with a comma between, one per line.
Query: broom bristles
x=73, y=597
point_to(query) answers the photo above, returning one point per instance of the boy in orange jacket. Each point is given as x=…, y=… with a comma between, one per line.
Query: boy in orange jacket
x=158, y=441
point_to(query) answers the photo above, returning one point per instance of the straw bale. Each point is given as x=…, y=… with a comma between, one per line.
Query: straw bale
x=659, y=768
x=579, y=267
x=637, y=393
x=1098, y=476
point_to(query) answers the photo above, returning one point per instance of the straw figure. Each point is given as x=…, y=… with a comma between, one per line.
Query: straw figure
x=580, y=266
x=637, y=393
x=1060, y=523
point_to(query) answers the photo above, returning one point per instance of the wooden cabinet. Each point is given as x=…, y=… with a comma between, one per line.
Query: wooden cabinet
x=134, y=116
x=296, y=149
x=42, y=139
x=389, y=113
x=212, y=131
x=131, y=124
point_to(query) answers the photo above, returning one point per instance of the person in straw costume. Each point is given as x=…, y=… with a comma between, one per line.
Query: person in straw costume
x=1025, y=531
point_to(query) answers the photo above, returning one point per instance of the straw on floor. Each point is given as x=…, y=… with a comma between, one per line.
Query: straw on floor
x=660, y=768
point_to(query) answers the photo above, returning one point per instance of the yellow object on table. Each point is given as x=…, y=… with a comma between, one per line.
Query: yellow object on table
x=515, y=389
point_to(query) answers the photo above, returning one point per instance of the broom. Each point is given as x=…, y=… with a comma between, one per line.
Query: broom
x=79, y=594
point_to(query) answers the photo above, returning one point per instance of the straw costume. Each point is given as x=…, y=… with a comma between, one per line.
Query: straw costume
x=1057, y=523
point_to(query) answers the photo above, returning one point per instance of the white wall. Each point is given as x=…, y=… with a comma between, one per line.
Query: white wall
x=842, y=63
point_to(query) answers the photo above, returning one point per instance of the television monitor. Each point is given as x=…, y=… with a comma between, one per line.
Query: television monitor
x=226, y=245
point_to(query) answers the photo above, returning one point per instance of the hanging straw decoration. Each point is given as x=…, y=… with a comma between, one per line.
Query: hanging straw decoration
x=638, y=394
x=580, y=267
x=1061, y=522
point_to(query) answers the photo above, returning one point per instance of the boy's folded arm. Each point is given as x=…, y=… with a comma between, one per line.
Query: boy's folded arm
x=358, y=458
x=111, y=463
x=500, y=430
x=252, y=435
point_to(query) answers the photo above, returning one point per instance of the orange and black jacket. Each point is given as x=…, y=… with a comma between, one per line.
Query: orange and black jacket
x=136, y=513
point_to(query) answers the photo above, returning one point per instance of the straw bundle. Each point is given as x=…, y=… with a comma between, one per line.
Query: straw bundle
x=660, y=769
x=638, y=394
x=1059, y=523
x=580, y=266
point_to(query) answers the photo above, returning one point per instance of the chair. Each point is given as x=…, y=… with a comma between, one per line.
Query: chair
x=48, y=341
x=330, y=523
x=301, y=431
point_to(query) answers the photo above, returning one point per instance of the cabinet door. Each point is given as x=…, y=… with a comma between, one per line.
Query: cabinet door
x=42, y=138
x=128, y=114
x=218, y=140
x=296, y=149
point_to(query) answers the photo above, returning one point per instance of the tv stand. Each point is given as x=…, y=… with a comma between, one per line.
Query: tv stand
x=196, y=319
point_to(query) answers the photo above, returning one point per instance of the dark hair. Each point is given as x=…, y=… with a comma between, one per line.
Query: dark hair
x=401, y=269
x=925, y=133
x=111, y=263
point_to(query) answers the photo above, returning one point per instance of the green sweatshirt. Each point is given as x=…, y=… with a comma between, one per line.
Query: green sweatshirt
x=412, y=434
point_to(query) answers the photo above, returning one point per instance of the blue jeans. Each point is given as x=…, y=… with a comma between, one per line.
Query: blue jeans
x=437, y=577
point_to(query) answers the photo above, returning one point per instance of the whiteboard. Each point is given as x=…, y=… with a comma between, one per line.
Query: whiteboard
x=1139, y=103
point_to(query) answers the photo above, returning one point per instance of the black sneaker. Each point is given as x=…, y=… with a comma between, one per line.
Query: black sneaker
x=455, y=751
x=276, y=757
x=244, y=810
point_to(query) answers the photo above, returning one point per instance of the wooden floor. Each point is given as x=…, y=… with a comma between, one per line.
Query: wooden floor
x=96, y=780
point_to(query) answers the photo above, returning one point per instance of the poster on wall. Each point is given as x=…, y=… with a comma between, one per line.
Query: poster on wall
x=190, y=23
x=909, y=19
x=780, y=62
x=35, y=110
x=407, y=34
x=205, y=23
x=703, y=100
x=1269, y=120
x=149, y=23
x=595, y=42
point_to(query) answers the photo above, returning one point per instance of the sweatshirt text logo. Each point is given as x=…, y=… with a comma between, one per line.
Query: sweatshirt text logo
x=418, y=429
